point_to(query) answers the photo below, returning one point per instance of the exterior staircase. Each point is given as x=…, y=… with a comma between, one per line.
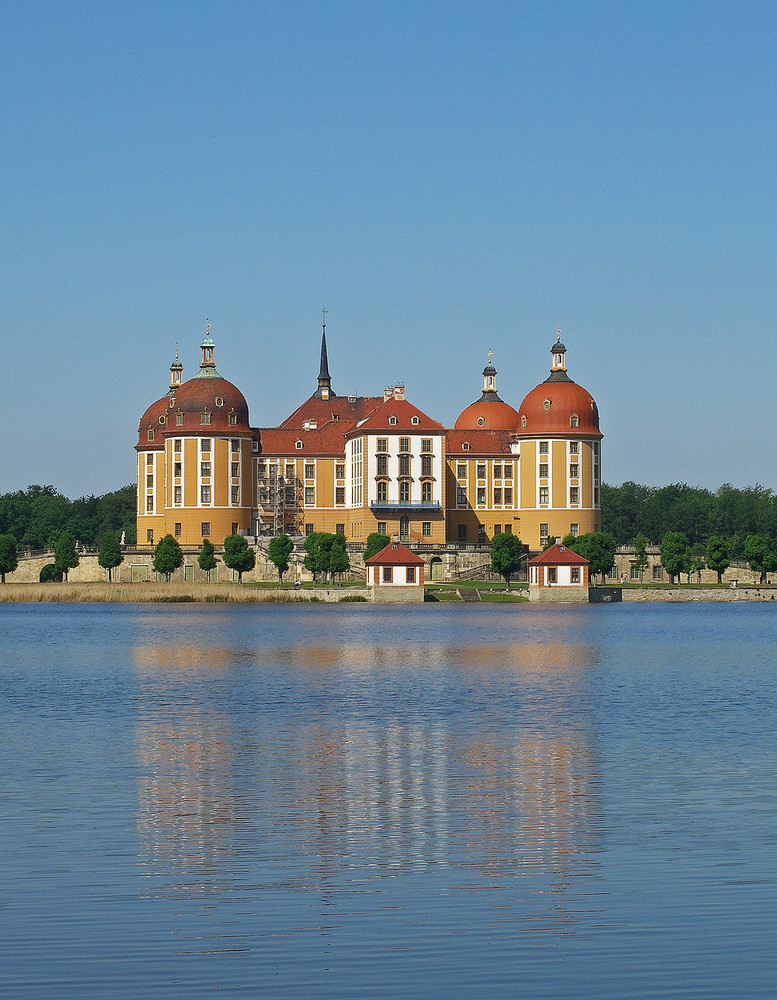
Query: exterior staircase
x=468, y=593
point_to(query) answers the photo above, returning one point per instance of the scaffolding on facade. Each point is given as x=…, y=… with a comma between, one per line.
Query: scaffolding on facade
x=279, y=503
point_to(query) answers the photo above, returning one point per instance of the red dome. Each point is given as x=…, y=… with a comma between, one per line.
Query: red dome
x=550, y=408
x=212, y=394
x=487, y=414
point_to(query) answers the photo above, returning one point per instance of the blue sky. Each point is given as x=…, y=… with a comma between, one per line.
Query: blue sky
x=442, y=177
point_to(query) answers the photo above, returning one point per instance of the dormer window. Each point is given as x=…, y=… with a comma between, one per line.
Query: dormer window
x=298, y=444
x=162, y=419
x=205, y=417
x=151, y=434
x=523, y=422
x=574, y=420
x=415, y=420
x=392, y=421
x=219, y=401
x=465, y=446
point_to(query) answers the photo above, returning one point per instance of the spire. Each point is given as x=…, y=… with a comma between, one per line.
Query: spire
x=324, y=390
x=489, y=380
x=207, y=365
x=558, y=368
x=176, y=373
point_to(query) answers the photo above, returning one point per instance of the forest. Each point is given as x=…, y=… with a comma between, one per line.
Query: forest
x=37, y=515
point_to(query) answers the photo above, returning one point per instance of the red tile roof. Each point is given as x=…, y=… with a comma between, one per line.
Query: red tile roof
x=480, y=443
x=324, y=441
x=404, y=411
x=558, y=555
x=394, y=554
x=343, y=408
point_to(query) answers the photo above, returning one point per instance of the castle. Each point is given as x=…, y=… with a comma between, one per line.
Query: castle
x=360, y=464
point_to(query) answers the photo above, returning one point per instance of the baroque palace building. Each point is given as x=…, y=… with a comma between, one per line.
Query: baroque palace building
x=359, y=464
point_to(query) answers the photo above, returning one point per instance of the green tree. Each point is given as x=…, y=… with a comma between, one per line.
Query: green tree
x=598, y=547
x=641, y=543
x=279, y=551
x=206, y=560
x=317, y=546
x=760, y=555
x=110, y=555
x=506, y=552
x=238, y=555
x=339, y=562
x=375, y=542
x=675, y=553
x=8, y=557
x=717, y=555
x=695, y=566
x=65, y=555
x=168, y=556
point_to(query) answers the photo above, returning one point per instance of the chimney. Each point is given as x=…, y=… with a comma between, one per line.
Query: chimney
x=388, y=392
x=399, y=390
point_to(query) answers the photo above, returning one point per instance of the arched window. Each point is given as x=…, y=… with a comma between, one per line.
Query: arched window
x=574, y=420
x=404, y=491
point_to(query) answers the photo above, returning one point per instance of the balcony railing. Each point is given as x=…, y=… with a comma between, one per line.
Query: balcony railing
x=405, y=508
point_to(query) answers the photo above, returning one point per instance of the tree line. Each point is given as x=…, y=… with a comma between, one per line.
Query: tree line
x=37, y=516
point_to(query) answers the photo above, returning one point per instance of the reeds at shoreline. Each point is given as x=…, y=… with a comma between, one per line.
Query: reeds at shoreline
x=161, y=593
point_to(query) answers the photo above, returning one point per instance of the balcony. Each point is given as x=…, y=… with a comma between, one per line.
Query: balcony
x=405, y=508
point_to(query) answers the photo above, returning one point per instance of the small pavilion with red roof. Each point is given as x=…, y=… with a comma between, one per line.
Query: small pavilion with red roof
x=395, y=574
x=558, y=574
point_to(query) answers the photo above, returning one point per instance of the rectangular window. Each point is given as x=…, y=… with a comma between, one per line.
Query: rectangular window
x=543, y=447
x=177, y=470
x=543, y=494
x=310, y=470
x=574, y=494
x=426, y=465
x=205, y=529
x=509, y=471
x=574, y=530
x=233, y=422
x=308, y=529
x=481, y=496
x=235, y=444
x=481, y=533
x=404, y=444
x=497, y=497
x=426, y=528
x=426, y=444
x=261, y=470
x=410, y=574
x=382, y=465
x=151, y=434
x=508, y=496
x=289, y=470
x=235, y=469
x=573, y=470
x=461, y=496
x=462, y=532
x=149, y=505
x=481, y=471
x=543, y=534
x=177, y=444
x=382, y=491
x=461, y=471
x=339, y=529
x=658, y=572
x=497, y=472
x=235, y=495
x=177, y=529
x=150, y=536
x=575, y=574
x=508, y=529
x=497, y=529
x=381, y=527
x=543, y=470
x=205, y=469
x=310, y=496
x=179, y=419
x=404, y=465
x=205, y=494
x=149, y=459
x=340, y=495
x=634, y=571
x=426, y=492
x=404, y=492
x=551, y=574
x=289, y=494
x=340, y=471
x=234, y=527
x=178, y=495
x=387, y=574
x=382, y=444
x=573, y=447
x=205, y=445
x=205, y=418
x=149, y=482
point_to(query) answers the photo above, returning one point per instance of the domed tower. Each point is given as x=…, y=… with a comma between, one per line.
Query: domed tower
x=490, y=412
x=194, y=458
x=558, y=440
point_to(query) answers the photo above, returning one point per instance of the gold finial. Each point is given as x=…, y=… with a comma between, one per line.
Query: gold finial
x=490, y=355
x=558, y=338
x=323, y=317
x=207, y=327
x=176, y=350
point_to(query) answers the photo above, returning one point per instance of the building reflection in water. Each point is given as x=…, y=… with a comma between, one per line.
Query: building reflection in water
x=312, y=757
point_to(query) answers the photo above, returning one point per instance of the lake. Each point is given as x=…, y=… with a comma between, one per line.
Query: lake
x=296, y=801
